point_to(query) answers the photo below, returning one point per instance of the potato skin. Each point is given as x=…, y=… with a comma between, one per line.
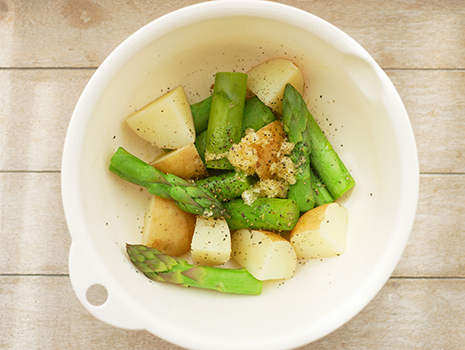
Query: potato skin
x=167, y=227
x=321, y=232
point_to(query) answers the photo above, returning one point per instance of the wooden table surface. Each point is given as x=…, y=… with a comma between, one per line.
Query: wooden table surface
x=49, y=50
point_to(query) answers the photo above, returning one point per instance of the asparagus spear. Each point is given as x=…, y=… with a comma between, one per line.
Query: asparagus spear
x=263, y=213
x=165, y=268
x=187, y=196
x=256, y=115
x=201, y=113
x=322, y=195
x=225, y=121
x=323, y=158
x=228, y=185
x=201, y=143
x=296, y=126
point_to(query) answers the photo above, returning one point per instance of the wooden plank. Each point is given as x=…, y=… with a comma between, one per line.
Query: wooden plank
x=436, y=107
x=437, y=244
x=400, y=33
x=37, y=105
x=34, y=238
x=81, y=33
x=71, y=33
x=43, y=313
x=35, y=109
x=424, y=314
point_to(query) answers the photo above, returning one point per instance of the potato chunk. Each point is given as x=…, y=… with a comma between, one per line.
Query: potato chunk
x=211, y=243
x=184, y=162
x=268, y=80
x=321, y=232
x=166, y=122
x=266, y=255
x=167, y=227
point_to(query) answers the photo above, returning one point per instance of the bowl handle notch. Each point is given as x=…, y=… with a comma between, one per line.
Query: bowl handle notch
x=90, y=285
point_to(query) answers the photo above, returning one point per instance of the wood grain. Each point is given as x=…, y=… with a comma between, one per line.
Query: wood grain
x=71, y=33
x=401, y=33
x=435, y=102
x=436, y=247
x=35, y=109
x=81, y=33
x=33, y=231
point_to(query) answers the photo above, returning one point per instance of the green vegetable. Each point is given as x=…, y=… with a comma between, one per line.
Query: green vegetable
x=256, y=115
x=225, y=122
x=263, y=213
x=186, y=195
x=322, y=195
x=296, y=126
x=228, y=185
x=201, y=113
x=323, y=158
x=201, y=143
x=165, y=268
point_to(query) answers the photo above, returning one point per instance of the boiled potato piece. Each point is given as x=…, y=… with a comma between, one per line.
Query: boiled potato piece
x=266, y=255
x=167, y=227
x=211, y=243
x=268, y=80
x=321, y=232
x=166, y=122
x=184, y=162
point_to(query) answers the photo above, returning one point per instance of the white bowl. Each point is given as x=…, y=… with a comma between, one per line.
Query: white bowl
x=352, y=99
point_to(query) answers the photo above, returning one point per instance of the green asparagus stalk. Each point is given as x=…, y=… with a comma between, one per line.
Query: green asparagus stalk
x=201, y=113
x=187, y=196
x=296, y=126
x=256, y=115
x=323, y=158
x=201, y=143
x=263, y=213
x=322, y=195
x=228, y=185
x=165, y=268
x=225, y=121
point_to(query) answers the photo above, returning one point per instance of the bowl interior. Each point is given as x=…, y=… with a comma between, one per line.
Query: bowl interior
x=357, y=108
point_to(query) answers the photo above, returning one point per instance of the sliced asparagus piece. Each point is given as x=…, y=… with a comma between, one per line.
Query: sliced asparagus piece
x=187, y=196
x=201, y=113
x=225, y=121
x=201, y=143
x=296, y=126
x=227, y=186
x=263, y=213
x=256, y=115
x=165, y=268
x=323, y=158
x=322, y=195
